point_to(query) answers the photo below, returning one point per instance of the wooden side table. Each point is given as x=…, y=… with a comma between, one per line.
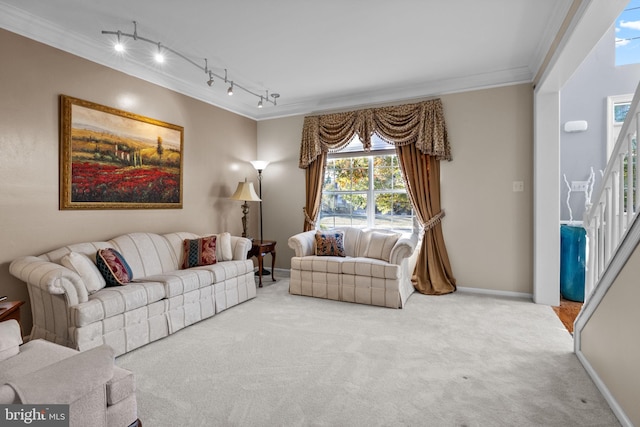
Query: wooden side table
x=259, y=248
x=10, y=310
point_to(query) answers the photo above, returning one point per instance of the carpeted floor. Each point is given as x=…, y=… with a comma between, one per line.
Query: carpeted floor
x=284, y=360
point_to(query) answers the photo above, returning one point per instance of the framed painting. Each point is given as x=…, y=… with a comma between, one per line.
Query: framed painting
x=113, y=159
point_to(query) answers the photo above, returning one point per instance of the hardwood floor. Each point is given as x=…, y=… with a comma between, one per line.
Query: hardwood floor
x=567, y=312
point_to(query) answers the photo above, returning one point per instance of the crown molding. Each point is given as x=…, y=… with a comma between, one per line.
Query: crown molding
x=36, y=28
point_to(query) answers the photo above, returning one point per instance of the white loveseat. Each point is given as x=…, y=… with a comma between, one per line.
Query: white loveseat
x=376, y=267
x=161, y=299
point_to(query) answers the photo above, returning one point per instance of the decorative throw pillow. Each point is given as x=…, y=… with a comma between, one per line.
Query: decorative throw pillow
x=113, y=267
x=330, y=243
x=198, y=252
x=86, y=269
x=223, y=247
x=380, y=245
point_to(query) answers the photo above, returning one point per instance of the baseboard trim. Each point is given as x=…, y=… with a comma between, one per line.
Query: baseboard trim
x=604, y=390
x=493, y=292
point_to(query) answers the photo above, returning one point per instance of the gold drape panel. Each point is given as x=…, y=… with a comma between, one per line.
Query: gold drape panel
x=314, y=177
x=432, y=275
x=421, y=123
x=420, y=135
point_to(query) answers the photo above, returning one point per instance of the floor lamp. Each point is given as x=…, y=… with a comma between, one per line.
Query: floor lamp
x=260, y=165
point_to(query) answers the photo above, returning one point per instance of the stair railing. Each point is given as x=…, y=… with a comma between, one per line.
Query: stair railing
x=616, y=201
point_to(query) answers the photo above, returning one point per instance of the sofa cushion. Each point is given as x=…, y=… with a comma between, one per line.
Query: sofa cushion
x=380, y=245
x=148, y=253
x=33, y=356
x=228, y=269
x=86, y=269
x=111, y=301
x=325, y=264
x=330, y=243
x=223, y=247
x=181, y=281
x=197, y=252
x=352, y=237
x=113, y=267
x=370, y=267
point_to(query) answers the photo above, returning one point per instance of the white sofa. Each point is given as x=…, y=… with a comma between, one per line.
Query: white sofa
x=375, y=270
x=161, y=299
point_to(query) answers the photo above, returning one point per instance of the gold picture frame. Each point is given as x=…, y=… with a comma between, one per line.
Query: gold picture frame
x=113, y=159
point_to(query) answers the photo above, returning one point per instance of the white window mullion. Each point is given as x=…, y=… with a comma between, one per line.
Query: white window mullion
x=371, y=205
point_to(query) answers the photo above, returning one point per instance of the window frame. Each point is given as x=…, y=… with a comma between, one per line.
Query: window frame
x=370, y=192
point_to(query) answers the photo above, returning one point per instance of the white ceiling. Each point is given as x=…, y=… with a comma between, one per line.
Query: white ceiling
x=318, y=55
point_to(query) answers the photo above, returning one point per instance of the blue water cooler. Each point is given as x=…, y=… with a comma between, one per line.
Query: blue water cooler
x=573, y=240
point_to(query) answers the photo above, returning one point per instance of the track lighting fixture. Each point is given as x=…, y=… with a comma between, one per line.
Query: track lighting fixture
x=160, y=56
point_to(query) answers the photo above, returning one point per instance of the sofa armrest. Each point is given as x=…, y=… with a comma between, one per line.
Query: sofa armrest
x=50, y=277
x=303, y=243
x=69, y=379
x=240, y=247
x=403, y=248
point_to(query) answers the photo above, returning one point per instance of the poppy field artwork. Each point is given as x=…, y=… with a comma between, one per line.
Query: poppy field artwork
x=112, y=159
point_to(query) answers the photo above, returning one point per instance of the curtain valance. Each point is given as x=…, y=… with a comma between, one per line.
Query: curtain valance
x=420, y=123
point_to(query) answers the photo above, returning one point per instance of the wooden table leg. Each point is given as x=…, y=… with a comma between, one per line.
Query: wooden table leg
x=273, y=264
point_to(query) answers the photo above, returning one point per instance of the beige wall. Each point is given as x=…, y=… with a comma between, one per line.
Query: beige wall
x=609, y=339
x=488, y=227
x=217, y=147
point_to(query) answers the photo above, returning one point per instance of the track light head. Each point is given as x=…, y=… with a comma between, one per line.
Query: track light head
x=260, y=103
x=159, y=56
x=230, y=90
x=210, y=81
x=119, y=47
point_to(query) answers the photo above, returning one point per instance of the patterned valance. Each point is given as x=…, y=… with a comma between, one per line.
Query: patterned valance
x=420, y=123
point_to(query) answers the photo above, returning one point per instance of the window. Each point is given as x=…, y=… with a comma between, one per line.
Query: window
x=365, y=190
x=617, y=109
x=628, y=34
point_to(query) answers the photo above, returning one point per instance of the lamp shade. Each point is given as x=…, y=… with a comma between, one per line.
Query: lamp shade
x=259, y=165
x=245, y=192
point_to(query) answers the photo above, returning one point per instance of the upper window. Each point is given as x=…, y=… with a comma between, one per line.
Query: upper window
x=365, y=190
x=617, y=109
x=628, y=34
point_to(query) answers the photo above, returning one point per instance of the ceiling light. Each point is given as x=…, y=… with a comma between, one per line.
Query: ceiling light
x=119, y=47
x=160, y=57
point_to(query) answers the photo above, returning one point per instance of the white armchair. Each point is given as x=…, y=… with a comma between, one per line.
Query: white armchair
x=39, y=372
